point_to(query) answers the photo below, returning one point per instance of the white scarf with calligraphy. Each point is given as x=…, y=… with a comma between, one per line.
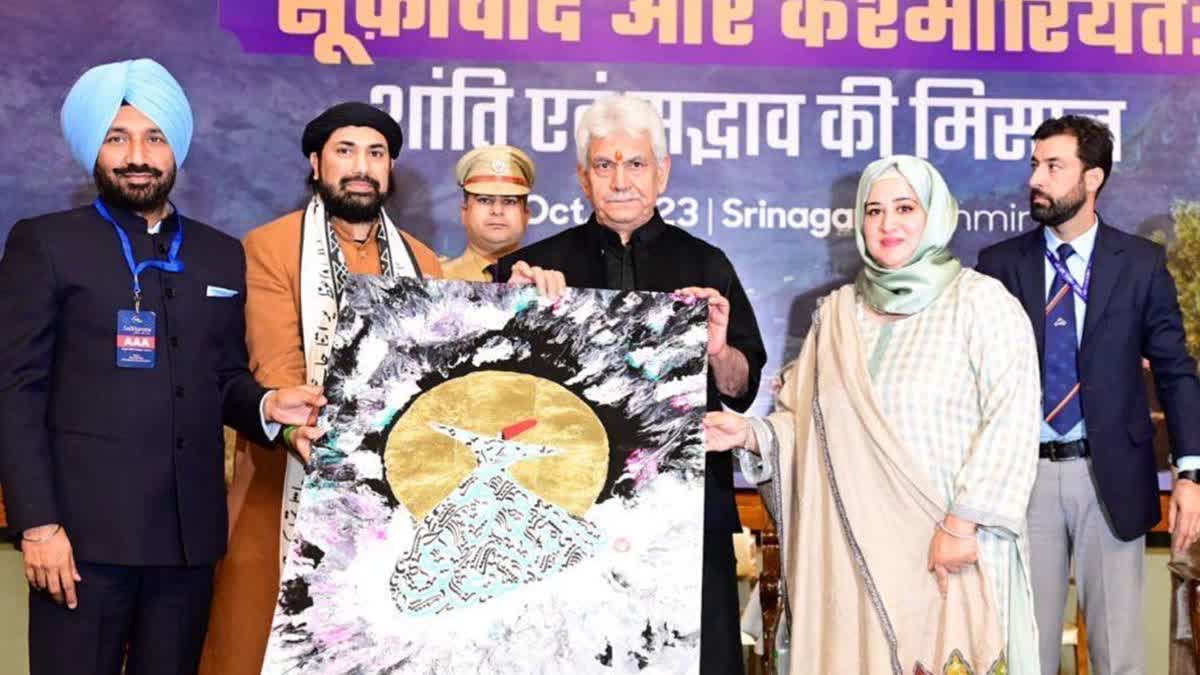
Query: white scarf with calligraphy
x=323, y=272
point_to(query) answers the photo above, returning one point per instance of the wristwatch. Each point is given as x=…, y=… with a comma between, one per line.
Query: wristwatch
x=1188, y=474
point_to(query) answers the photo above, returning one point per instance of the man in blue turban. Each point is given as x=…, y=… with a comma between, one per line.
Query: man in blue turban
x=98, y=118
x=94, y=101
x=122, y=353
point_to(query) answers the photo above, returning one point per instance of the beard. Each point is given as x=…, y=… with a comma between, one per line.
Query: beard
x=150, y=197
x=1058, y=211
x=353, y=207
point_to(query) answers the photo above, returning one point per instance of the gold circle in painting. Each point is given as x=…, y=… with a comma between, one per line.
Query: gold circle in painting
x=424, y=466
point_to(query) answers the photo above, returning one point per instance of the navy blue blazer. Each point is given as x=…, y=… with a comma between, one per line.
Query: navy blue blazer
x=130, y=461
x=1132, y=312
x=671, y=260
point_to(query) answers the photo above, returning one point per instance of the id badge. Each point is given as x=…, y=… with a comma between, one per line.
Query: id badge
x=135, y=339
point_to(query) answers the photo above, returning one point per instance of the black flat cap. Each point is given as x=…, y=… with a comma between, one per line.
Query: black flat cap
x=351, y=114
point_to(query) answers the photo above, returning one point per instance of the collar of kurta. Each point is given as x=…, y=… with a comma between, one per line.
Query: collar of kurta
x=344, y=234
x=642, y=236
x=132, y=223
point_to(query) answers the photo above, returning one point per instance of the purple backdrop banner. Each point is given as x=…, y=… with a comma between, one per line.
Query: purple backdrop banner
x=1045, y=35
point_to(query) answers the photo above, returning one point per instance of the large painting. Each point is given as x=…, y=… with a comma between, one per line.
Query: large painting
x=508, y=484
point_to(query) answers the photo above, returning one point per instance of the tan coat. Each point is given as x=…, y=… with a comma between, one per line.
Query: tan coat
x=247, y=580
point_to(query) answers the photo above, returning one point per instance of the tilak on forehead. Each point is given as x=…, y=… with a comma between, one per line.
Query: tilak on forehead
x=98, y=95
x=620, y=156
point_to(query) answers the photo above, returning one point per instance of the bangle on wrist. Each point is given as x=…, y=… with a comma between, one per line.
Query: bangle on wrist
x=957, y=535
x=40, y=540
x=289, y=433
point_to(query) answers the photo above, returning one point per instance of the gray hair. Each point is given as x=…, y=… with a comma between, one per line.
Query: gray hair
x=616, y=113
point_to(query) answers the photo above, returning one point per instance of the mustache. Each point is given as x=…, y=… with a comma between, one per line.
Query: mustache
x=1039, y=193
x=366, y=179
x=138, y=168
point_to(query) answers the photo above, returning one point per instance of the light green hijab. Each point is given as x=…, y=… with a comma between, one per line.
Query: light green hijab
x=913, y=287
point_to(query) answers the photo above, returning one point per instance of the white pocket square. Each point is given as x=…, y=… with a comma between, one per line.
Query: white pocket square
x=219, y=292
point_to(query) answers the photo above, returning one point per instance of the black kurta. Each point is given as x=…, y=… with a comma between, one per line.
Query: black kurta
x=664, y=258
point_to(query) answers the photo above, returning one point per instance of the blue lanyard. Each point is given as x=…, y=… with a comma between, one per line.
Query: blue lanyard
x=1065, y=274
x=171, y=264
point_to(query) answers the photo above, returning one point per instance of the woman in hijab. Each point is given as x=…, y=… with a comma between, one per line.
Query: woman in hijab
x=900, y=457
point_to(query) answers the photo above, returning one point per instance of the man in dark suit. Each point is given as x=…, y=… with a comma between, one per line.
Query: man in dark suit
x=1100, y=300
x=121, y=353
x=622, y=165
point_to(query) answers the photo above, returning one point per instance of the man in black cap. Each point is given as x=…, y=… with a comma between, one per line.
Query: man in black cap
x=295, y=269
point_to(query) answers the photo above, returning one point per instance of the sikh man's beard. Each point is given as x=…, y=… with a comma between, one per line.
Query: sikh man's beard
x=149, y=197
x=352, y=207
x=1058, y=211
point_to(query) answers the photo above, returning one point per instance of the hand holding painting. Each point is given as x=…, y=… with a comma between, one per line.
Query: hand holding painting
x=729, y=366
x=294, y=405
x=550, y=283
x=300, y=440
x=718, y=316
x=725, y=431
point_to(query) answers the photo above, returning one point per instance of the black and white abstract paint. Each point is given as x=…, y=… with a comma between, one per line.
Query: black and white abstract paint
x=507, y=484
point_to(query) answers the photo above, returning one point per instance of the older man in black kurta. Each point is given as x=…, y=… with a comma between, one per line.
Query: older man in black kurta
x=626, y=245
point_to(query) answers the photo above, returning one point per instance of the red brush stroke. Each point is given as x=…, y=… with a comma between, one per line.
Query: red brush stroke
x=513, y=430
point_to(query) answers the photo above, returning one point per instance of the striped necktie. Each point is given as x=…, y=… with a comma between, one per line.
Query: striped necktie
x=1060, y=372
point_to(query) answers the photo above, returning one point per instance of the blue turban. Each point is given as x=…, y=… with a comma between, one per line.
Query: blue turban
x=94, y=100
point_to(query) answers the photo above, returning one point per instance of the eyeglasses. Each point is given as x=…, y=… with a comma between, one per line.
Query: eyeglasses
x=506, y=202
